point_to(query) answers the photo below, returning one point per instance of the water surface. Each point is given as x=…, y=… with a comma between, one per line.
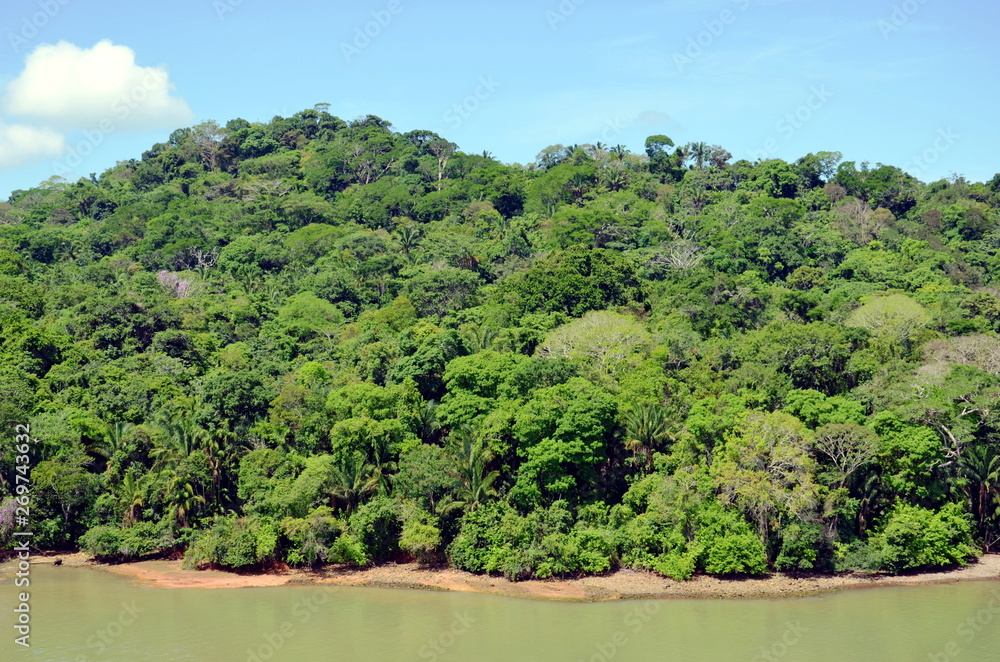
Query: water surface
x=86, y=614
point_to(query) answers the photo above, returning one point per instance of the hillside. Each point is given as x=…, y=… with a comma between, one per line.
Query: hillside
x=314, y=341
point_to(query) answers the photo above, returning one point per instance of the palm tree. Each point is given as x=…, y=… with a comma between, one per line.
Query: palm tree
x=183, y=437
x=180, y=496
x=483, y=337
x=468, y=259
x=408, y=237
x=128, y=497
x=646, y=430
x=113, y=442
x=472, y=457
x=577, y=186
x=980, y=464
x=428, y=424
x=353, y=479
x=699, y=152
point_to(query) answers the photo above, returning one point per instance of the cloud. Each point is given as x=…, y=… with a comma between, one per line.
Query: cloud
x=20, y=145
x=653, y=118
x=72, y=87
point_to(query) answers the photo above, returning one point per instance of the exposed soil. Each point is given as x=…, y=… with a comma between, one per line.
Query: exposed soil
x=621, y=585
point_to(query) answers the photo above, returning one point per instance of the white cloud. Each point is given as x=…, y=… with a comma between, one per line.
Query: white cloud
x=20, y=145
x=652, y=118
x=73, y=87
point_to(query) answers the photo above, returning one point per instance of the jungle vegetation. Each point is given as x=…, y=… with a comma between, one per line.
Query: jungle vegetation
x=323, y=341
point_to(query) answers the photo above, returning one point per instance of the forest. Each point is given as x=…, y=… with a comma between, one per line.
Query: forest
x=313, y=341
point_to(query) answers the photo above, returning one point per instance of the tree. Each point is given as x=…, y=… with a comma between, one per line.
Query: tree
x=764, y=467
x=306, y=316
x=574, y=282
x=208, y=137
x=472, y=457
x=647, y=428
x=443, y=290
x=562, y=434
x=848, y=446
x=442, y=150
x=353, y=479
x=601, y=338
x=981, y=466
x=892, y=318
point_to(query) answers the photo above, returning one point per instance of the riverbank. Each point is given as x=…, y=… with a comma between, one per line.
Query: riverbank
x=620, y=585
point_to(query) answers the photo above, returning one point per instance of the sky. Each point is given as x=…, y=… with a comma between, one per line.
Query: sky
x=910, y=83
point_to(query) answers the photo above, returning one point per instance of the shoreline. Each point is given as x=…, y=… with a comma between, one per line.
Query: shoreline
x=619, y=585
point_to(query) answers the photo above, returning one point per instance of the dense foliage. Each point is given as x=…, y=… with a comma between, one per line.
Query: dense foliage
x=315, y=341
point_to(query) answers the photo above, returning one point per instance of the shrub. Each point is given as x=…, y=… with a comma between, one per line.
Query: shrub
x=420, y=536
x=348, y=549
x=234, y=543
x=914, y=537
x=376, y=526
x=110, y=543
x=729, y=546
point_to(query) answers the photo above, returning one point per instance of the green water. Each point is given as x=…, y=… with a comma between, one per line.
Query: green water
x=84, y=614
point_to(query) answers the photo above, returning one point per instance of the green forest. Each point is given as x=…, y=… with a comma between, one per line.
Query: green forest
x=313, y=341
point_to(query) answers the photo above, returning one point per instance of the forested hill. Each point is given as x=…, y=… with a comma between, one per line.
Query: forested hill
x=314, y=340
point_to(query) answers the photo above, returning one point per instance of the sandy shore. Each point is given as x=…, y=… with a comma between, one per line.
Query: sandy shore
x=624, y=584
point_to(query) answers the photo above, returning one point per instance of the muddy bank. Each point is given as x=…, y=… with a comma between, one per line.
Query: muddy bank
x=624, y=584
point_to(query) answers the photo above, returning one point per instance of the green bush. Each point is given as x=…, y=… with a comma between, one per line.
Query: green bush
x=110, y=543
x=421, y=538
x=803, y=548
x=234, y=542
x=914, y=537
x=496, y=539
x=678, y=565
x=729, y=546
x=348, y=549
x=376, y=525
x=308, y=539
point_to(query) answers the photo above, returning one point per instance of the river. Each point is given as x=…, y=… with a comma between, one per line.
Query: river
x=79, y=614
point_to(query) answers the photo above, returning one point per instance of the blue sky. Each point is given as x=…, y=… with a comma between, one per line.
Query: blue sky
x=908, y=83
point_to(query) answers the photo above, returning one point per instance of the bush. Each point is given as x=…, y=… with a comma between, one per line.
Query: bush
x=678, y=565
x=496, y=539
x=420, y=537
x=110, y=543
x=729, y=545
x=803, y=548
x=376, y=526
x=348, y=549
x=914, y=537
x=234, y=543
x=309, y=538
x=488, y=541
